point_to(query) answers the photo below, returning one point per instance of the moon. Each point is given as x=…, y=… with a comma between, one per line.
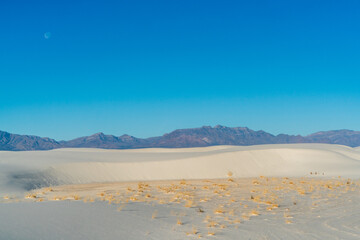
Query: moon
x=47, y=35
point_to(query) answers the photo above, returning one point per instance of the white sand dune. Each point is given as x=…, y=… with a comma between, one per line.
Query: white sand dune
x=74, y=166
x=326, y=213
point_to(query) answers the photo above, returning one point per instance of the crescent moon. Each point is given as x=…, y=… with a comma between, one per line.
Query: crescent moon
x=47, y=35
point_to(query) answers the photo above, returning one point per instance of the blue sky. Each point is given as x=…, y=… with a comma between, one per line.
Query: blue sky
x=148, y=67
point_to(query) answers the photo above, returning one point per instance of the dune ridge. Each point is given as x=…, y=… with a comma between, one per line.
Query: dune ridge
x=76, y=166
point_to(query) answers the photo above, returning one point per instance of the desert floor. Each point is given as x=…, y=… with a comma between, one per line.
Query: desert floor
x=263, y=192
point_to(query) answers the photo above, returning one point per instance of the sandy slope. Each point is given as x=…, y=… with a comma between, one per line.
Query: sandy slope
x=327, y=209
x=322, y=213
x=68, y=166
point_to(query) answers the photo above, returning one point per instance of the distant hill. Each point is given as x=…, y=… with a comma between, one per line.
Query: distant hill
x=343, y=137
x=192, y=137
x=100, y=140
x=15, y=142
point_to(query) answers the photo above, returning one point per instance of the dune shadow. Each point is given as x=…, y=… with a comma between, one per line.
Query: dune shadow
x=30, y=180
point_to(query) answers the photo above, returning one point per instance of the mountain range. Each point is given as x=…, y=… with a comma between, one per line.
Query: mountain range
x=181, y=138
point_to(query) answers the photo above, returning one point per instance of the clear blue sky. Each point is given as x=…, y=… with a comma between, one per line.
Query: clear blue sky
x=73, y=68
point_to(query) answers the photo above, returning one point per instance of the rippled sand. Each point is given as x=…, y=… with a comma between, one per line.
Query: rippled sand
x=251, y=208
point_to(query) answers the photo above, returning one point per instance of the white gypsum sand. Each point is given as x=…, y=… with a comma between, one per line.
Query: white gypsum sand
x=67, y=166
x=300, y=195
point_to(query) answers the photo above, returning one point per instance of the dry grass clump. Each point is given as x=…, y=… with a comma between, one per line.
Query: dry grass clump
x=189, y=204
x=194, y=231
x=207, y=218
x=56, y=198
x=255, y=182
x=133, y=198
x=219, y=210
x=212, y=224
x=154, y=215
x=200, y=210
x=30, y=196
x=76, y=197
x=222, y=226
x=254, y=213
x=231, y=212
x=236, y=221
x=183, y=182
x=301, y=191
x=269, y=208
x=122, y=206
x=102, y=194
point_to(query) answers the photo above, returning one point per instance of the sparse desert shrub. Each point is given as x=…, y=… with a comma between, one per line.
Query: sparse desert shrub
x=193, y=231
x=222, y=226
x=183, y=182
x=154, y=215
x=219, y=210
x=232, y=212
x=269, y=208
x=30, y=196
x=179, y=222
x=237, y=221
x=189, y=204
x=76, y=197
x=122, y=206
x=212, y=224
x=56, y=198
x=207, y=218
x=254, y=213
x=133, y=198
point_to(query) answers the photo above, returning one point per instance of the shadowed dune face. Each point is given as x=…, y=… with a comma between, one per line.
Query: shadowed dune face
x=30, y=170
x=32, y=180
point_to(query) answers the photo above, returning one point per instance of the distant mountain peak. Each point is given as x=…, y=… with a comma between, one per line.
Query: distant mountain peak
x=126, y=136
x=100, y=134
